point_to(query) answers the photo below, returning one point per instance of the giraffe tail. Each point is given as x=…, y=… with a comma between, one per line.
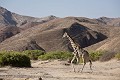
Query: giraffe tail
x=90, y=64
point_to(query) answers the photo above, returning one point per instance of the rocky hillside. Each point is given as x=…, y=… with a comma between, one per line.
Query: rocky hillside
x=46, y=33
x=12, y=23
x=49, y=36
x=9, y=18
x=110, y=21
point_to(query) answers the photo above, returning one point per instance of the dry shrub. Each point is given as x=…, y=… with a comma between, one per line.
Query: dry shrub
x=117, y=56
x=95, y=55
x=107, y=56
x=33, y=54
x=62, y=55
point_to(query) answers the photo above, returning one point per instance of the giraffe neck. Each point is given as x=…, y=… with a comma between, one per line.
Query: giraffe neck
x=72, y=42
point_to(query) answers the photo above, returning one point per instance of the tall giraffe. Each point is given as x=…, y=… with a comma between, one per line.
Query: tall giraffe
x=78, y=52
x=75, y=52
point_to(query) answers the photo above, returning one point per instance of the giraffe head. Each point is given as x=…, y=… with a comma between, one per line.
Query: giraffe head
x=65, y=33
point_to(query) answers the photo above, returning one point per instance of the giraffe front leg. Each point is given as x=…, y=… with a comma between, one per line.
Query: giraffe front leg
x=72, y=63
x=78, y=61
x=77, y=58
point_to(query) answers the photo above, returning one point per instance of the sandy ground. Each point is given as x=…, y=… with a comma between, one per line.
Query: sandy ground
x=57, y=70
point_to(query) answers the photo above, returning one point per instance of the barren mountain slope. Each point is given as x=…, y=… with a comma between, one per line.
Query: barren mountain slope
x=107, y=27
x=11, y=22
x=13, y=19
x=112, y=43
x=110, y=21
x=49, y=36
x=93, y=34
x=7, y=32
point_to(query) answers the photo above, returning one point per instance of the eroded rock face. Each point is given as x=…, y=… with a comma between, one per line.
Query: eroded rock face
x=83, y=35
x=7, y=32
x=32, y=45
x=110, y=21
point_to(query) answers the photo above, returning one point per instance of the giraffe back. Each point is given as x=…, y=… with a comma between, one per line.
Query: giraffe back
x=85, y=55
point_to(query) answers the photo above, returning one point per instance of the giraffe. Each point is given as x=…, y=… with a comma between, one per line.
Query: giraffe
x=78, y=52
x=75, y=52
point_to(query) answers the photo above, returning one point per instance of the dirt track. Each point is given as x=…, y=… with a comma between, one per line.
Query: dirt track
x=56, y=70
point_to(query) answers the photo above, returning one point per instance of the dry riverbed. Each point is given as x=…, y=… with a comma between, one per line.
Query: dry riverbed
x=57, y=70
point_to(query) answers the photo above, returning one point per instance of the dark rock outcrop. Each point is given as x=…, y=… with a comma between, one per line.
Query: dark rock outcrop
x=83, y=35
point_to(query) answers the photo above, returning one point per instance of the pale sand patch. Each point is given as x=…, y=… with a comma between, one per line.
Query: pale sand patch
x=56, y=70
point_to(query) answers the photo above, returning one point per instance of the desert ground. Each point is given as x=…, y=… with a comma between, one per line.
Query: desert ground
x=58, y=70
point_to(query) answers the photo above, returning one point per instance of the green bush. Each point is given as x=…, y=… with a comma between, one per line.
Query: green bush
x=1, y=54
x=33, y=54
x=95, y=55
x=117, y=56
x=1, y=58
x=15, y=59
x=56, y=55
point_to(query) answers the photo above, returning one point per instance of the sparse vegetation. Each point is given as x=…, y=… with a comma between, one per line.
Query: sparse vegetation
x=95, y=55
x=117, y=56
x=56, y=55
x=15, y=59
x=33, y=54
x=107, y=56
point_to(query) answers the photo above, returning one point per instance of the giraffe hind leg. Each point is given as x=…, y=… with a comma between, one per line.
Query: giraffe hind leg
x=90, y=65
x=84, y=61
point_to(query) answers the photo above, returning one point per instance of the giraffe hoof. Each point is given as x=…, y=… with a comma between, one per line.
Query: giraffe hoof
x=74, y=71
x=78, y=71
x=81, y=71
